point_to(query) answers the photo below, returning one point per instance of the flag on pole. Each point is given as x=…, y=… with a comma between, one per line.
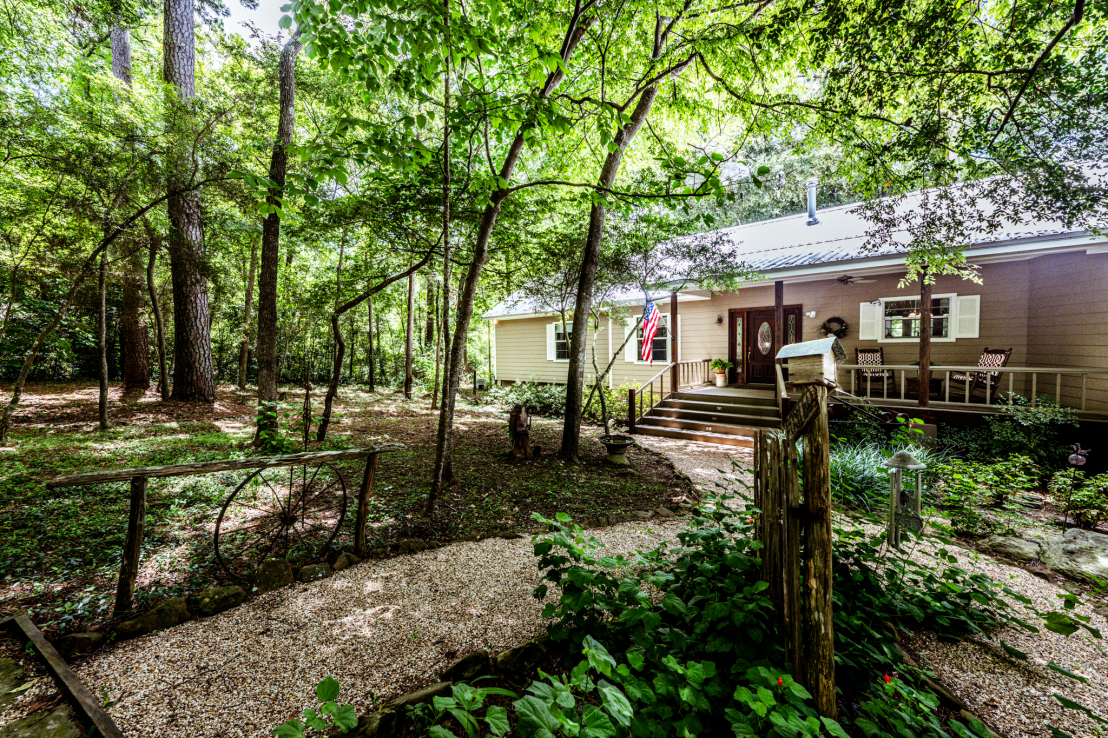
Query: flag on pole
x=650, y=320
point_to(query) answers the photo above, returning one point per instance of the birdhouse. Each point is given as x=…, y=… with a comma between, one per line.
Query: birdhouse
x=814, y=362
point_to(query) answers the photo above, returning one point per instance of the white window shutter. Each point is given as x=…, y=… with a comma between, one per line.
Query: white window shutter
x=551, y=350
x=968, y=322
x=869, y=315
x=631, y=350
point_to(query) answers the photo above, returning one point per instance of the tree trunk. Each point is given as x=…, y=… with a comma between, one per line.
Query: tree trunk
x=244, y=348
x=409, y=337
x=151, y=287
x=193, y=378
x=924, y=396
x=370, y=353
x=377, y=351
x=438, y=365
x=590, y=261
x=134, y=334
x=430, y=308
x=271, y=242
x=444, y=441
x=102, y=340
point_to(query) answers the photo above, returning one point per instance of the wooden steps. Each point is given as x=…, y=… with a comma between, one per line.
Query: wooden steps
x=726, y=416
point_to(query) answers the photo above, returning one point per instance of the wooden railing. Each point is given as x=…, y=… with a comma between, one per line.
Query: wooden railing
x=877, y=387
x=637, y=397
x=693, y=372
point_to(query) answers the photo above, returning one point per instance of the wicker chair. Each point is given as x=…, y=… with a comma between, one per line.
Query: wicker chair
x=985, y=383
x=870, y=379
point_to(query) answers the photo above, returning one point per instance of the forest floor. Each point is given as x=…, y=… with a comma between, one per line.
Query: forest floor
x=60, y=549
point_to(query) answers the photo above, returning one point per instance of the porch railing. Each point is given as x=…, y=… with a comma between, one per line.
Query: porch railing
x=693, y=372
x=875, y=386
x=636, y=398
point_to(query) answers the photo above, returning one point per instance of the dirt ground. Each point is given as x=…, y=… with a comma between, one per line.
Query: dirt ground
x=60, y=549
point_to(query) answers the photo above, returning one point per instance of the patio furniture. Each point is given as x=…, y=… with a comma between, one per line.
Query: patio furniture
x=987, y=383
x=868, y=379
x=935, y=388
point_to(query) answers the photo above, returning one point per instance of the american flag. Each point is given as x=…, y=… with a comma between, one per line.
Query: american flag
x=650, y=319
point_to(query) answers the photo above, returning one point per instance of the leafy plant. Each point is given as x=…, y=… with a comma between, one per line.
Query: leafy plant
x=1083, y=500
x=720, y=365
x=1035, y=432
x=978, y=497
x=330, y=714
x=548, y=400
x=463, y=706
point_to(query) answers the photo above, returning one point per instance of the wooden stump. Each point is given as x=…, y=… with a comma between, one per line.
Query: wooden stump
x=519, y=428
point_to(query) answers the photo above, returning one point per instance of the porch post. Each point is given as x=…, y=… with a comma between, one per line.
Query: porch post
x=778, y=317
x=924, y=396
x=676, y=370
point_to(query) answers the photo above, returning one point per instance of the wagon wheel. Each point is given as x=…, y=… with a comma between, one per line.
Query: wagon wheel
x=274, y=513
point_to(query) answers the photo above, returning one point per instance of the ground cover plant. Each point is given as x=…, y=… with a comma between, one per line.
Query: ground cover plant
x=680, y=640
x=60, y=549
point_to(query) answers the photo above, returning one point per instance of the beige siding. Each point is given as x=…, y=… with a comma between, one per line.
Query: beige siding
x=1052, y=311
x=1068, y=322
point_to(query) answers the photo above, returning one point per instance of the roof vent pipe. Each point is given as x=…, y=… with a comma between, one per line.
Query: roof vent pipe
x=812, y=219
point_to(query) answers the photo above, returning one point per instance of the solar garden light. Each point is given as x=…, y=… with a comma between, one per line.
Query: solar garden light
x=1077, y=458
x=904, y=508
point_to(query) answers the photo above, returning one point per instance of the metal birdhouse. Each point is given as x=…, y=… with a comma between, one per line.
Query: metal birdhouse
x=905, y=508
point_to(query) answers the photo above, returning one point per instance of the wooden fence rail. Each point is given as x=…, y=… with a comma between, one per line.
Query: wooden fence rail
x=136, y=522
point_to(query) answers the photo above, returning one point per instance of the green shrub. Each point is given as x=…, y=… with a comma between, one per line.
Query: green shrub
x=859, y=481
x=979, y=497
x=1034, y=432
x=1083, y=500
x=547, y=400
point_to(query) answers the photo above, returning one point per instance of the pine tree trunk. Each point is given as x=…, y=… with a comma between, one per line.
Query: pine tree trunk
x=244, y=348
x=193, y=378
x=271, y=242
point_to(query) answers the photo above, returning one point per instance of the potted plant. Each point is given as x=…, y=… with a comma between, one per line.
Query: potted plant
x=721, y=366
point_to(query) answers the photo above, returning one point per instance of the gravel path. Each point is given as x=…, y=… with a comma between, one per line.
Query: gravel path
x=379, y=628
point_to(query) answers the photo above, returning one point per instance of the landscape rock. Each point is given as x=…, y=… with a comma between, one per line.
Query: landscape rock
x=1101, y=609
x=345, y=561
x=166, y=615
x=510, y=535
x=312, y=572
x=58, y=723
x=78, y=644
x=377, y=724
x=642, y=514
x=1081, y=555
x=471, y=537
x=474, y=665
x=217, y=599
x=1012, y=547
x=410, y=545
x=520, y=660
x=663, y=512
x=11, y=677
x=439, y=689
x=272, y=574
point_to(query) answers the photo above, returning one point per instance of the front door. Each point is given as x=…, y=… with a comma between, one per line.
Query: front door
x=760, y=348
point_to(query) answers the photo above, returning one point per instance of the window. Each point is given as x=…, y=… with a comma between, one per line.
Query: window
x=561, y=341
x=902, y=318
x=661, y=342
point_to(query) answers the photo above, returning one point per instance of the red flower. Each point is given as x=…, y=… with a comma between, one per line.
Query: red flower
x=887, y=678
x=780, y=682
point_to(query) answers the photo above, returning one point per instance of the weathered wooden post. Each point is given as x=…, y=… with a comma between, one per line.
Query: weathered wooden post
x=363, y=504
x=813, y=365
x=132, y=548
x=519, y=428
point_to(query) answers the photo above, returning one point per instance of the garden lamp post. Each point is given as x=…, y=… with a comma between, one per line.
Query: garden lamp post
x=904, y=509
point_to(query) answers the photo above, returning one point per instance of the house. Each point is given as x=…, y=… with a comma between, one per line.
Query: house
x=1042, y=300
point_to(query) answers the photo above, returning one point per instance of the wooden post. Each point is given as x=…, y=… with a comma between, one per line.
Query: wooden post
x=675, y=379
x=819, y=638
x=631, y=410
x=363, y=504
x=136, y=523
x=790, y=566
x=924, y=398
x=778, y=316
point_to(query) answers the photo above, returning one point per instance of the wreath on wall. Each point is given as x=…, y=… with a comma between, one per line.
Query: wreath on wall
x=836, y=327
